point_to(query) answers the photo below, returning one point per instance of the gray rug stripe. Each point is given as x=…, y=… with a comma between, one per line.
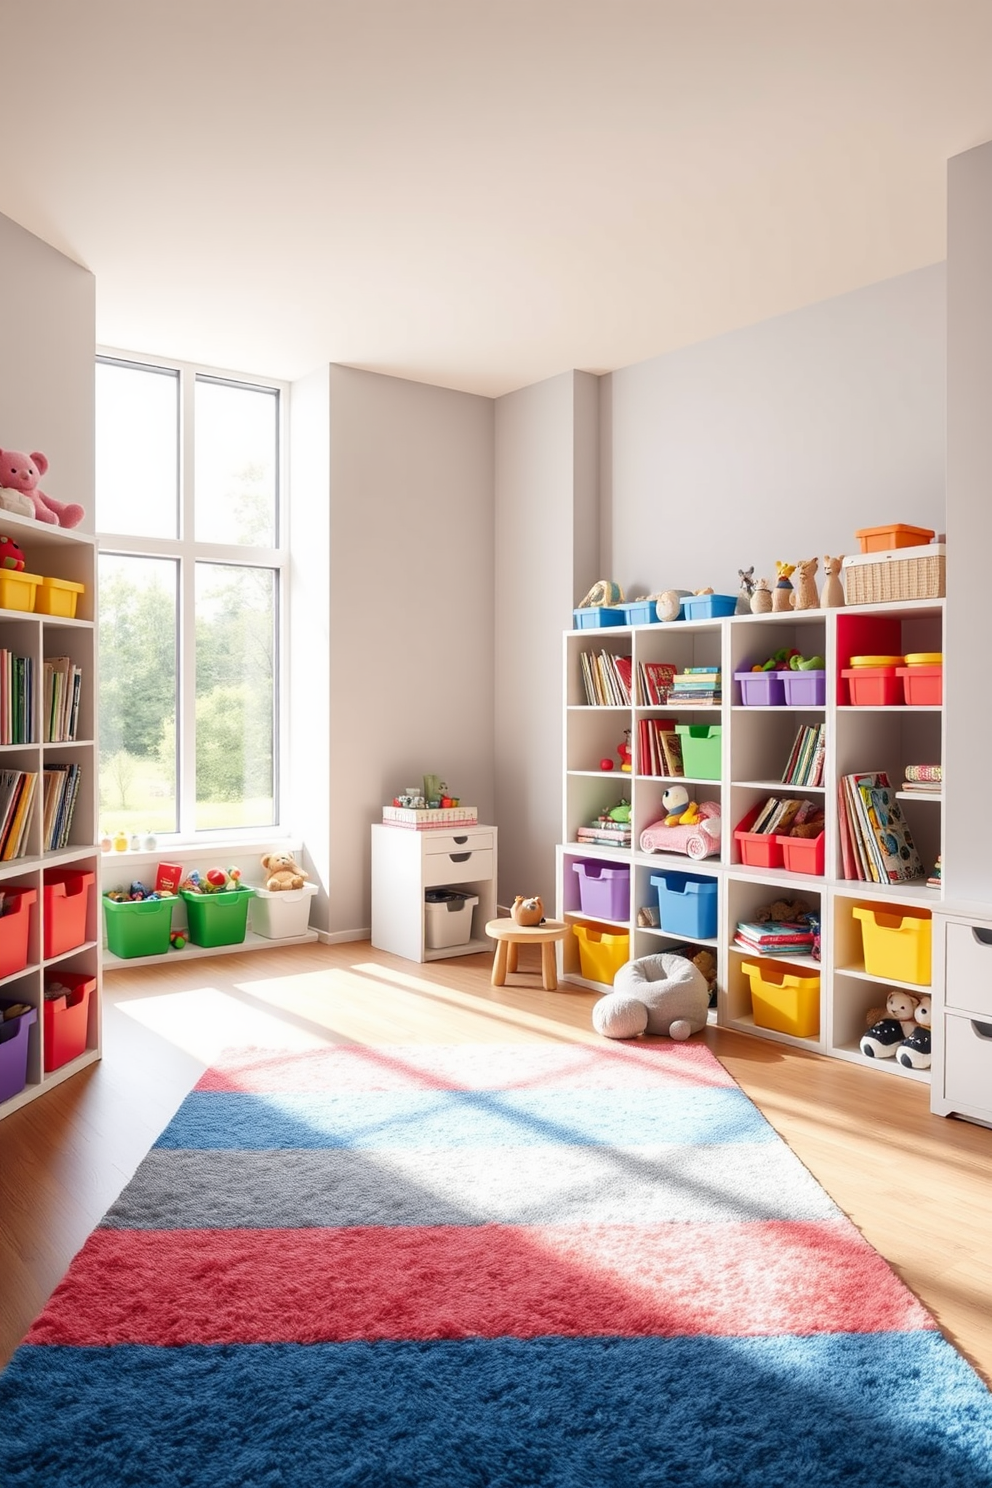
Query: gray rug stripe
x=178, y=1189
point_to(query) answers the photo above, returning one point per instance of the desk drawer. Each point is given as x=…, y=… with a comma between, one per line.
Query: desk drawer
x=457, y=867
x=968, y=1064
x=466, y=840
x=968, y=983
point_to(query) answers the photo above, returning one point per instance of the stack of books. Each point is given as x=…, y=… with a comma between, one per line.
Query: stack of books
x=924, y=780
x=697, y=685
x=606, y=832
x=774, y=938
x=805, y=765
x=875, y=841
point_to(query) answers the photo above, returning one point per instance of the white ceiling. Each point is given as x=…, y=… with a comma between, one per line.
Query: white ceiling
x=480, y=193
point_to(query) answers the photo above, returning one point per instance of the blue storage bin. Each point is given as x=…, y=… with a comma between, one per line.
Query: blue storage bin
x=686, y=905
x=595, y=617
x=641, y=612
x=708, y=606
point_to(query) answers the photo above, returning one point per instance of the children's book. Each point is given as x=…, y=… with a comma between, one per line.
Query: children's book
x=671, y=746
x=891, y=841
x=658, y=677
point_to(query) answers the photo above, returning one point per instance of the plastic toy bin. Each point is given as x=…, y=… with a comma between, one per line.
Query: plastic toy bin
x=280, y=914
x=597, y=617
x=784, y=1001
x=803, y=854
x=761, y=689
x=58, y=597
x=805, y=689
x=873, y=687
x=141, y=928
x=922, y=686
x=14, y=930
x=757, y=849
x=640, y=612
x=218, y=919
x=701, y=744
x=601, y=954
x=604, y=891
x=897, y=945
x=18, y=590
x=66, y=897
x=708, y=606
x=14, y=1035
x=896, y=535
x=448, y=918
x=686, y=904
x=67, y=1020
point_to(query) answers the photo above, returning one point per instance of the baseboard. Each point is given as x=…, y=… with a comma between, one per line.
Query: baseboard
x=338, y=937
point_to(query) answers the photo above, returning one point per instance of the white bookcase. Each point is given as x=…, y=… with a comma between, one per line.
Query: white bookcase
x=754, y=750
x=55, y=552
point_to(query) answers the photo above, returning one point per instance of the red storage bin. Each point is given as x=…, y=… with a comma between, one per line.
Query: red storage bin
x=14, y=928
x=923, y=686
x=803, y=854
x=757, y=849
x=874, y=687
x=67, y=1019
x=66, y=898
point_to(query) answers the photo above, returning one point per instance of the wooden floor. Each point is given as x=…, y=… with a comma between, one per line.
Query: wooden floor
x=918, y=1187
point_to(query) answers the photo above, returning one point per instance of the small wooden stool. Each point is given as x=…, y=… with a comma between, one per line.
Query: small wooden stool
x=508, y=935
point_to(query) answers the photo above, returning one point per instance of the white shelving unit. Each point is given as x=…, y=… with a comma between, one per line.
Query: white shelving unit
x=406, y=863
x=754, y=749
x=55, y=553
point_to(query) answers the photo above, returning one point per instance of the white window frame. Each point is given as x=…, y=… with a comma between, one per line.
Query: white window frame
x=188, y=552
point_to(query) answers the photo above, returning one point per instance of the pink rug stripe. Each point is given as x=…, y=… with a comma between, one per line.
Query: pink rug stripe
x=333, y=1285
x=466, y=1067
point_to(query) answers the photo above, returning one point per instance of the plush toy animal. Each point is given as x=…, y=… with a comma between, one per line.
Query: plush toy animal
x=805, y=595
x=663, y=994
x=681, y=812
x=889, y=1026
x=283, y=872
x=745, y=590
x=20, y=472
x=783, y=593
x=761, y=598
x=915, y=1052
x=527, y=911
x=787, y=911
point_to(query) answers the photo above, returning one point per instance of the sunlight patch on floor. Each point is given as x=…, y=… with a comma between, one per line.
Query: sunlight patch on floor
x=204, y=1020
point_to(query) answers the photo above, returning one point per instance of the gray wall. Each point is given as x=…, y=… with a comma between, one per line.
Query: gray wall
x=547, y=541
x=47, y=381
x=778, y=441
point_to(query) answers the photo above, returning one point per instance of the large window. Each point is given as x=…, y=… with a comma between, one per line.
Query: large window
x=191, y=598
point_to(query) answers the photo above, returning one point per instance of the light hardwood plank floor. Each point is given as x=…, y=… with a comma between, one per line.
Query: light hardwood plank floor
x=918, y=1187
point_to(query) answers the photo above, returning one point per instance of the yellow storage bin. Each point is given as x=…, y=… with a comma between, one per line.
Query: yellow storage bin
x=18, y=590
x=784, y=1001
x=601, y=952
x=897, y=944
x=58, y=597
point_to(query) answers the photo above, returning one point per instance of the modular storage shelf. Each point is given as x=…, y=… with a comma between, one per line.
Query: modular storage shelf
x=663, y=899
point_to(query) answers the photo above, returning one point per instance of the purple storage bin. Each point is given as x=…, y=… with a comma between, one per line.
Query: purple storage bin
x=604, y=891
x=805, y=689
x=761, y=689
x=14, y=1051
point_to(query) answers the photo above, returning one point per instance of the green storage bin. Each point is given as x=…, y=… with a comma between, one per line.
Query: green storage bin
x=140, y=928
x=701, y=746
x=218, y=919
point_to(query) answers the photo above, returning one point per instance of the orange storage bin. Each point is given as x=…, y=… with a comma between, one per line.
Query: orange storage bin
x=874, y=687
x=923, y=686
x=803, y=854
x=66, y=898
x=67, y=1019
x=896, y=535
x=15, y=926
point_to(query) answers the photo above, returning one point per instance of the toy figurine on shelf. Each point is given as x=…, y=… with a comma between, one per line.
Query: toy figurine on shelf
x=745, y=591
x=623, y=750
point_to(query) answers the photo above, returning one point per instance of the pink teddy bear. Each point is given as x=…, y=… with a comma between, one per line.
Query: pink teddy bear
x=20, y=472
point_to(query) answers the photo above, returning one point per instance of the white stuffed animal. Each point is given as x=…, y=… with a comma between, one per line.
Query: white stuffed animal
x=663, y=994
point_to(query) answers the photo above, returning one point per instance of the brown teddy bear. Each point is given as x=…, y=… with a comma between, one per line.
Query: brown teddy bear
x=787, y=911
x=283, y=872
x=527, y=911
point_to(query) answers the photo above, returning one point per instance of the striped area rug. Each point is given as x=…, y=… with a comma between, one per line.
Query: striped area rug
x=488, y=1266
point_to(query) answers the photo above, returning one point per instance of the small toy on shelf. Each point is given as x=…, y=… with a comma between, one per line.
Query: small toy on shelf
x=623, y=750
x=283, y=872
x=681, y=812
x=832, y=597
x=669, y=603
x=746, y=590
x=761, y=598
x=21, y=473
x=606, y=592
x=791, y=911
x=806, y=597
x=606, y=763
x=784, y=592
x=177, y=940
x=890, y=1026
x=934, y=881
x=120, y=842
x=10, y=554
x=915, y=1052
x=699, y=841
x=527, y=911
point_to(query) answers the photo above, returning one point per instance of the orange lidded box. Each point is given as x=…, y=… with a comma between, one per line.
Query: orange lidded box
x=897, y=535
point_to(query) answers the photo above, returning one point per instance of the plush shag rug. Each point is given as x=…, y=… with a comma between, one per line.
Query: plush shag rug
x=490, y=1267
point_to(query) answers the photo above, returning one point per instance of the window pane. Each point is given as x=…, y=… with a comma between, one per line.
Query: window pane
x=236, y=460
x=235, y=696
x=137, y=450
x=138, y=615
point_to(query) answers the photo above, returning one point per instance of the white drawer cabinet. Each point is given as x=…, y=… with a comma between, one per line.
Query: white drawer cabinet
x=405, y=864
x=961, y=1083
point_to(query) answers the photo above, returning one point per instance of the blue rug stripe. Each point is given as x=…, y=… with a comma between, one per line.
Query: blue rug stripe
x=444, y=1120
x=899, y=1410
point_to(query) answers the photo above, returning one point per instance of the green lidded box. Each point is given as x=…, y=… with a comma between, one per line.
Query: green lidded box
x=217, y=919
x=140, y=927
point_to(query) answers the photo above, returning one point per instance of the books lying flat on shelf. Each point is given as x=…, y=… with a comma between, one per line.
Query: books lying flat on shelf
x=876, y=843
x=805, y=763
x=698, y=685
x=622, y=837
x=423, y=818
x=923, y=787
x=654, y=679
x=775, y=937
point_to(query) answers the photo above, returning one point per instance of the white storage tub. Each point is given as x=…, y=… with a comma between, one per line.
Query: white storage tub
x=281, y=913
x=448, y=918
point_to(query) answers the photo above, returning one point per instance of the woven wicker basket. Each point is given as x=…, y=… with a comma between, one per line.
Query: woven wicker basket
x=896, y=577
